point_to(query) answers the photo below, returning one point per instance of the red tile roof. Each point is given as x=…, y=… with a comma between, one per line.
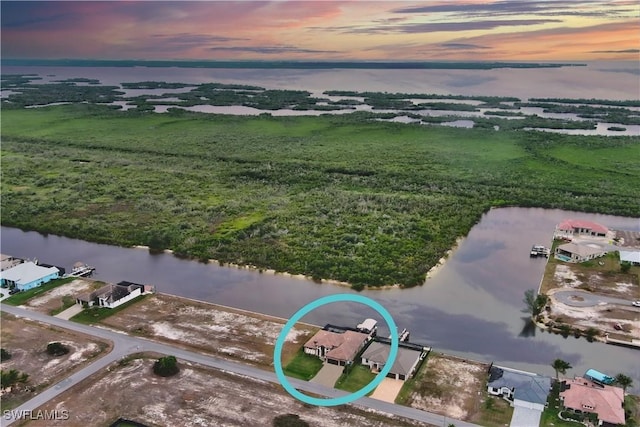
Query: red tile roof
x=570, y=224
x=341, y=346
x=605, y=400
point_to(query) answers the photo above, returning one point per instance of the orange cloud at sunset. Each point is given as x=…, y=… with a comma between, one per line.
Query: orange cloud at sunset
x=319, y=30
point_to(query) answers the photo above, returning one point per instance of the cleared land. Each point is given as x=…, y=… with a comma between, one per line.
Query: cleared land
x=197, y=396
x=448, y=386
x=54, y=300
x=209, y=328
x=332, y=197
x=600, y=277
x=27, y=342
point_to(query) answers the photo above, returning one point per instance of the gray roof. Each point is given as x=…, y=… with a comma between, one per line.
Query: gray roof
x=582, y=249
x=379, y=352
x=529, y=387
x=27, y=272
x=630, y=256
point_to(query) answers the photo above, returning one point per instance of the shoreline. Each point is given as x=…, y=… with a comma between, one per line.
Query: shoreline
x=335, y=282
x=441, y=262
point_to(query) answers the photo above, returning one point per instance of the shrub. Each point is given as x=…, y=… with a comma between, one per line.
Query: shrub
x=166, y=366
x=289, y=420
x=57, y=349
x=4, y=355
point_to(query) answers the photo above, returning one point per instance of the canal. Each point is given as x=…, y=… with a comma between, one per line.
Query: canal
x=471, y=307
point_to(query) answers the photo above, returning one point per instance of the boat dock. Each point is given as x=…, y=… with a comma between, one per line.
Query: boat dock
x=539, y=250
x=629, y=344
x=81, y=270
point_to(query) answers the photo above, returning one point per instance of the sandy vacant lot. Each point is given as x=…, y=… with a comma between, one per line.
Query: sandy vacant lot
x=53, y=299
x=209, y=328
x=449, y=386
x=197, y=396
x=601, y=317
x=606, y=283
x=27, y=341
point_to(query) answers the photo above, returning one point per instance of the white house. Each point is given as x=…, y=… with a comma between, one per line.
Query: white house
x=579, y=252
x=632, y=257
x=570, y=228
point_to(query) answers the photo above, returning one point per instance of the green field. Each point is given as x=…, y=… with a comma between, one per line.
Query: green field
x=303, y=366
x=358, y=377
x=24, y=296
x=340, y=197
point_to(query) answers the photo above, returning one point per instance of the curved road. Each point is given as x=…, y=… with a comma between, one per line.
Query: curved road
x=124, y=345
x=578, y=298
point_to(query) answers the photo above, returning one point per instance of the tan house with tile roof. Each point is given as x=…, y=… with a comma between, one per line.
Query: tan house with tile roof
x=582, y=395
x=336, y=347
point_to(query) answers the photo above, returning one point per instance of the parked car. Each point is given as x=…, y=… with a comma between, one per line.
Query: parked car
x=636, y=303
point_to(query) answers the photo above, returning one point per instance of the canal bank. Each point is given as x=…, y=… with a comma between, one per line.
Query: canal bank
x=471, y=308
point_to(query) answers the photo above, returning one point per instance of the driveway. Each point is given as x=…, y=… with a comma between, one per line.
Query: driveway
x=328, y=375
x=577, y=298
x=388, y=390
x=70, y=312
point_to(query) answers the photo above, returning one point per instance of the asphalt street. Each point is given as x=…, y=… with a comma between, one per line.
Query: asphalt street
x=124, y=345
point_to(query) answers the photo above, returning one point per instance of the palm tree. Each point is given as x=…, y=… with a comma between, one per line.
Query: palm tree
x=624, y=381
x=560, y=366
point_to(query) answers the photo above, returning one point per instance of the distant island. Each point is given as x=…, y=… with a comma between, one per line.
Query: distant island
x=386, y=65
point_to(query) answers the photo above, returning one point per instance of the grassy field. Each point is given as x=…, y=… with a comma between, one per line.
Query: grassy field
x=331, y=197
x=498, y=413
x=24, y=296
x=93, y=315
x=357, y=378
x=303, y=366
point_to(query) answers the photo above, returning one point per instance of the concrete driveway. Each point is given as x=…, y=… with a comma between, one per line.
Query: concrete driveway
x=388, y=390
x=328, y=375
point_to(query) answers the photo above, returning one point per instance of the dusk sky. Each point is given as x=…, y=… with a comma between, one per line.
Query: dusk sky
x=505, y=30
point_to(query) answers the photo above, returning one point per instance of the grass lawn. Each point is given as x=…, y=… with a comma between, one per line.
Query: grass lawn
x=357, y=378
x=94, y=315
x=303, y=366
x=24, y=296
x=550, y=415
x=67, y=301
x=495, y=414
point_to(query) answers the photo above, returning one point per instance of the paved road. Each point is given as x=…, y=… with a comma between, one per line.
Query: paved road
x=126, y=344
x=578, y=298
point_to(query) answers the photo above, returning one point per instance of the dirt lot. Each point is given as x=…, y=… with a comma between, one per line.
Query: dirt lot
x=603, y=318
x=449, y=386
x=605, y=279
x=27, y=342
x=209, y=328
x=197, y=396
x=53, y=299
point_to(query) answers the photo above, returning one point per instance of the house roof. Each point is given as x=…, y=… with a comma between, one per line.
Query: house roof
x=571, y=224
x=630, y=256
x=342, y=346
x=379, y=353
x=528, y=387
x=27, y=272
x=581, y=249
x=606, y=400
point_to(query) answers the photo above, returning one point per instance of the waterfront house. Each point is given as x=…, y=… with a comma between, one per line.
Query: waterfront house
x=525, y=391
x=581, y=395
x=632, y=257
x=404, y=366
x=570, y=228
x=336, y=345
x=579, y=252
x=28, y=275
x=110, y=295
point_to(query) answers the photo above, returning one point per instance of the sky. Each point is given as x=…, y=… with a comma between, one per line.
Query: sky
x=500, y=30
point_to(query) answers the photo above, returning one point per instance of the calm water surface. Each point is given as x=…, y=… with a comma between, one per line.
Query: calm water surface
x=471, y=307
